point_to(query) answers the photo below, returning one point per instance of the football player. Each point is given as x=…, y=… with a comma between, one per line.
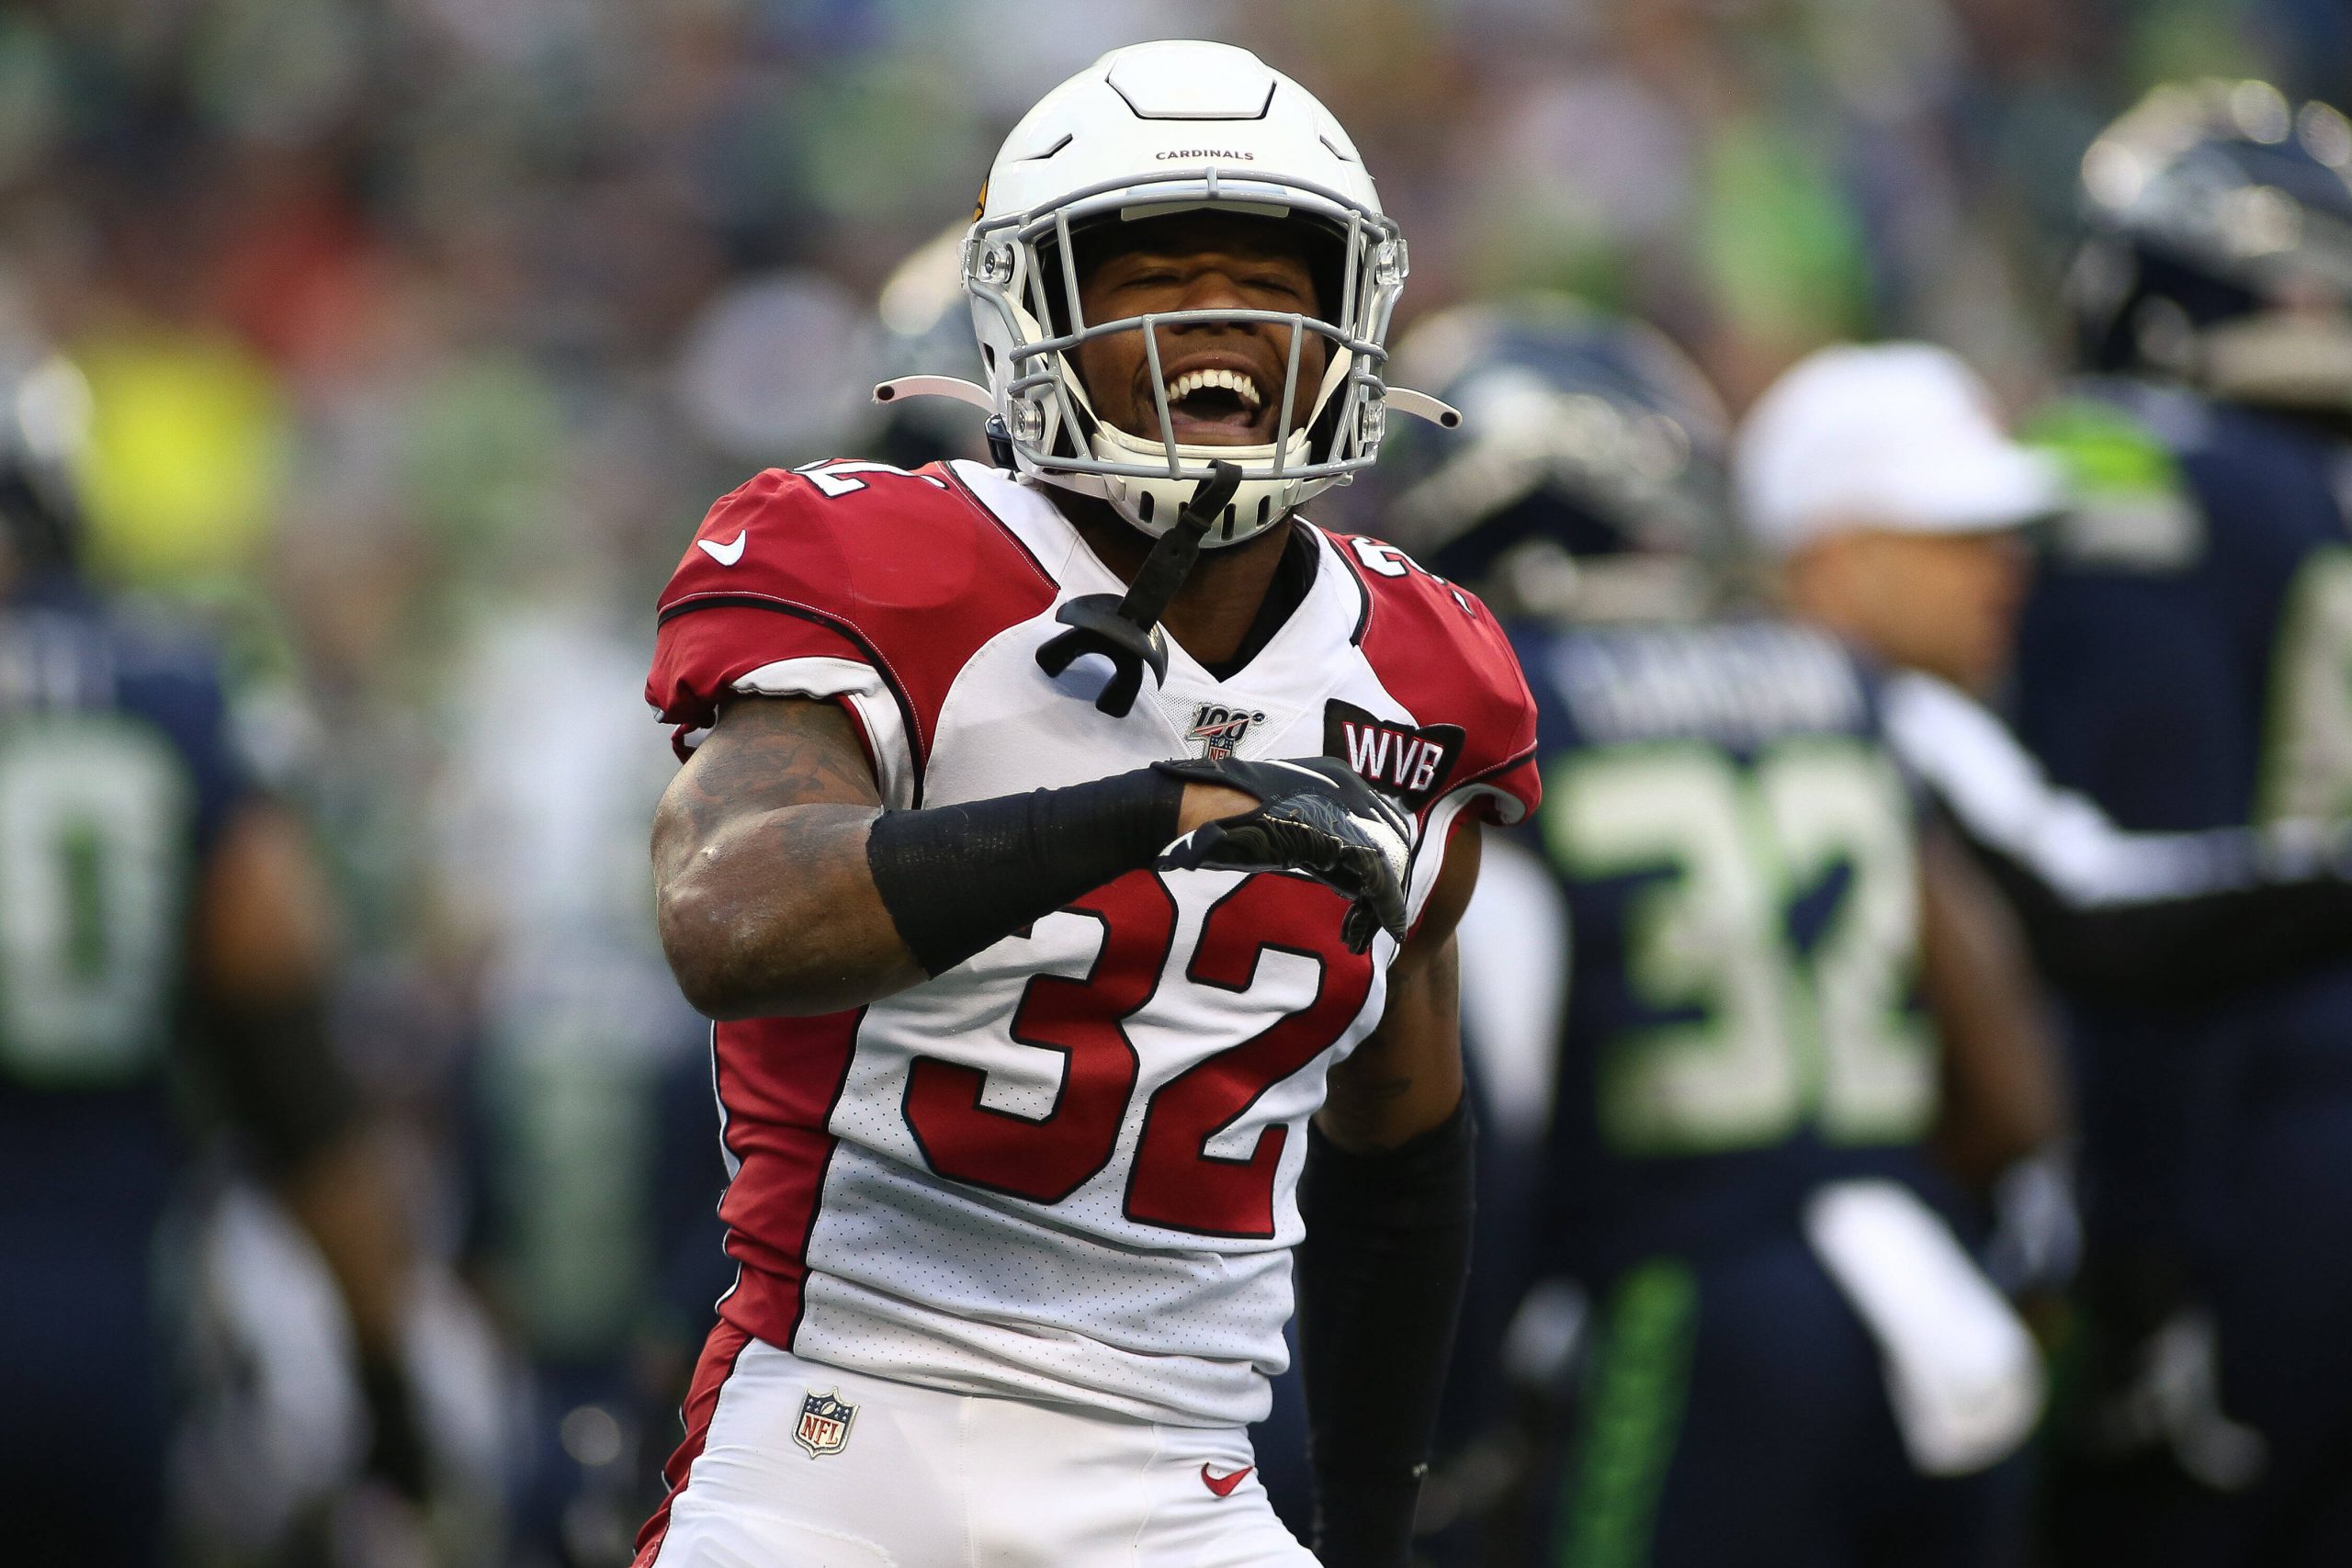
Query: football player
x=1791, y=1358
x=1895, y=511
x=1057, y=1006
x=2183, y=662
x=156, y=899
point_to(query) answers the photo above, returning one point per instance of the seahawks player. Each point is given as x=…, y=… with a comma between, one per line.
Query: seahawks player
x=2183, y=662
x=1069, y=852
x=1734, y=1165
x=162, y=926
x=1879, y=484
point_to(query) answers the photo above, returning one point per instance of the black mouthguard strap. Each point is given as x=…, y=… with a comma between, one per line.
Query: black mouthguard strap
x=1125, y=630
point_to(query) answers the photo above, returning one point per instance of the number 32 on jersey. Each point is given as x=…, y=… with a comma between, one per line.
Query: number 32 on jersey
x=1174, y=1181
x=1755, y=1035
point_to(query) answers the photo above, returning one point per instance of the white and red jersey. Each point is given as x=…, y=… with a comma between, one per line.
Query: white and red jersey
x=1065, y=1169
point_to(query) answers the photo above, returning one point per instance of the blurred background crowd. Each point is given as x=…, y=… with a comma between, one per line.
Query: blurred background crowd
x=419, y=334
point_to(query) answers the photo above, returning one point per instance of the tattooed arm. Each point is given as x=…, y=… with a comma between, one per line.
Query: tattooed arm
x=1407, y=1075
x=763, y=890
x=762, y=895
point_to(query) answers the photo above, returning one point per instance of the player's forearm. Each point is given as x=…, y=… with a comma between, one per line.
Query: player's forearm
x=1407, y=1075
x=777, y=915
x=1381, y=1275
x=346, y=1195
x=814, y=908
x=2187, y=950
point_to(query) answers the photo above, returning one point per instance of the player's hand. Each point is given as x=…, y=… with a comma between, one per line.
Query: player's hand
x=1314, y=816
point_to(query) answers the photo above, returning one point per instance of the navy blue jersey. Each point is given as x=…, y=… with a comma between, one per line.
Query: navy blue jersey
x=1738, y=853
x=115, y=774
x=2186, y=659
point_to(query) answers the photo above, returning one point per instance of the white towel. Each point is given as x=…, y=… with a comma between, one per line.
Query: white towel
x=1961, y=1372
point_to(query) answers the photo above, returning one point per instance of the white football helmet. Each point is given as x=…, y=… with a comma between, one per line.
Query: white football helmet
x=1143, y=131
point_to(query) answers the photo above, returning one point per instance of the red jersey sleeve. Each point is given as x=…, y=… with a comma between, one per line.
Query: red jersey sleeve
x=1441, y=653
x=853, y=564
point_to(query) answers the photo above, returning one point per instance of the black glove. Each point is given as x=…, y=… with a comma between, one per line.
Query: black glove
x=396, y=1452
x=1314, y=816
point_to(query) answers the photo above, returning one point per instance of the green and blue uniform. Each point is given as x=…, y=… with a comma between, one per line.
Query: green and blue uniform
x=2186, y=661
x=117, y=775
x=1737, y=854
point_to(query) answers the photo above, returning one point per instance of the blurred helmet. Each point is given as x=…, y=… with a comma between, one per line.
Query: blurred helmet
x=2218, y=249
x=1592, y=450
x=44, y=430
x=1143, y=132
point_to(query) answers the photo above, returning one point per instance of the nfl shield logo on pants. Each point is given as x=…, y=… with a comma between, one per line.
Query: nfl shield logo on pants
x=825, y=1424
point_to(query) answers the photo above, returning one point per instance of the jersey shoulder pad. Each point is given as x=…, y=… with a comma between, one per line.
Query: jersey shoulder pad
x=901, y=570
x=167, y=675
x=1440, y=651
x=2131, y=507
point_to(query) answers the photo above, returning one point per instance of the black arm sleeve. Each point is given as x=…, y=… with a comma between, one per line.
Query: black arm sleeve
x=2184, y=948
x=1379, y=1276
x=2150, y=918
x=959, y=878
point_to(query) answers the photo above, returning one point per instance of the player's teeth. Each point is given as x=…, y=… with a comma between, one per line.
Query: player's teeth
x=1240, y=385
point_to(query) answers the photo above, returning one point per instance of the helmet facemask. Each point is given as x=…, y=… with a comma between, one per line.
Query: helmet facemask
x=1019, y=270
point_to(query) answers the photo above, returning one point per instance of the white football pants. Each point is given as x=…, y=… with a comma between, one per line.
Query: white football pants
x=914, y=1478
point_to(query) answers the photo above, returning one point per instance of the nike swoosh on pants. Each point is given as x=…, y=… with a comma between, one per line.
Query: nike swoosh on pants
x=1223, y=1485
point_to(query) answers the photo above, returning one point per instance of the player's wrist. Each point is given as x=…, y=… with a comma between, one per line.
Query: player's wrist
x=956, y=879
x=1313, y=816
x=1206, y=803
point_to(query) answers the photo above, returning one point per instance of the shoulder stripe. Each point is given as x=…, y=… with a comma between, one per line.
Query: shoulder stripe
x=1355, y=573
x=916, y=744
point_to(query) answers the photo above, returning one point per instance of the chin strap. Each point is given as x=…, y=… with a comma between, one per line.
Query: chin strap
x=1126, y=630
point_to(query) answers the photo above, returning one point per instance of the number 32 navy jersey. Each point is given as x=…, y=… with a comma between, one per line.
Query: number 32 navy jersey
x=1738, y=855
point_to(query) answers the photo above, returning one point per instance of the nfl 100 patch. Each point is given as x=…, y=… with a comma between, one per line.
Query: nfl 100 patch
x=824, y=1423
x=1218, y=729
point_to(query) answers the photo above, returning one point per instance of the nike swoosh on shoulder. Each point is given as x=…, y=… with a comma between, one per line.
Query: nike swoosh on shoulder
x=1223, y=1485
x=728, y=553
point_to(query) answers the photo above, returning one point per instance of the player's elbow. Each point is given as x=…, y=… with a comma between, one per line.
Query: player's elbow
x=708, y=990
x=703, y=937
x=734, y=960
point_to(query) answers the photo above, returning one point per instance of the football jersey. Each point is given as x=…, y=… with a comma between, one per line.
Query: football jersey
x=1064, y=1169
x=2182, y=657
x=1737, y=851
x=2185, y=659
x=116, y=774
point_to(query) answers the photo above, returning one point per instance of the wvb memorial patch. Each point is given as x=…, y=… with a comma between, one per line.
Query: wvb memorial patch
x=1390, y=755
